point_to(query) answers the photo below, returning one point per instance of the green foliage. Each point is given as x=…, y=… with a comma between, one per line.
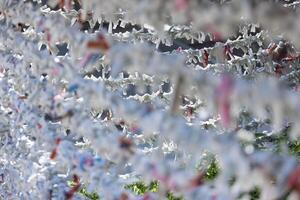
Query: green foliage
x=83, y=191
x=212, y=171
x=91, y=196
x=170, y=196
x=140, y=188
x=153, y=186
x=276, y=142
x=294, y=147
x=253, y=194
